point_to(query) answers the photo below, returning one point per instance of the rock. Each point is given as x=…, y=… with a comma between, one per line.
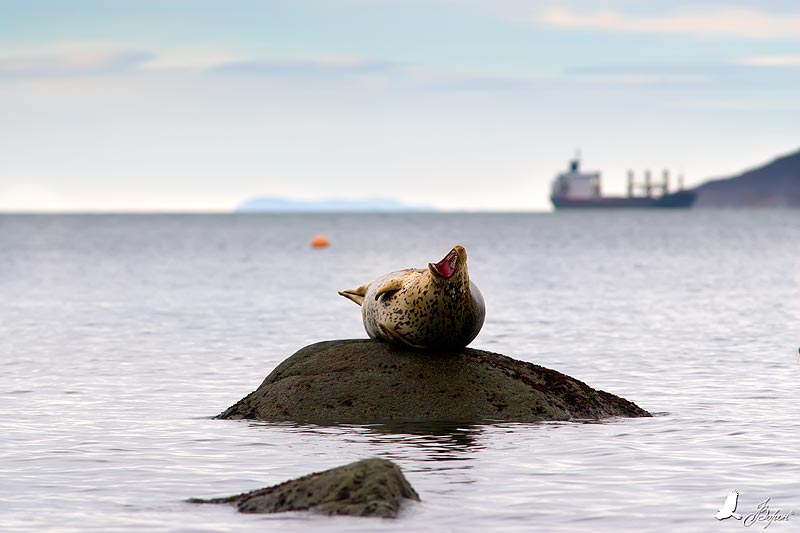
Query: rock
x=368, y=381
x=775, y=184
x=370, y=487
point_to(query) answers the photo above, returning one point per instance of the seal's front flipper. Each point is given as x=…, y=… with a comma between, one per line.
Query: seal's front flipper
x=390, y=334
x=393, y=285
x=357, y=295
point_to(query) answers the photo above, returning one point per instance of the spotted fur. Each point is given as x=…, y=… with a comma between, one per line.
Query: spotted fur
x=419, y=308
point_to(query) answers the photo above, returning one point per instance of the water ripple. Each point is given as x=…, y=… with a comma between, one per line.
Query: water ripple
x=120, y=338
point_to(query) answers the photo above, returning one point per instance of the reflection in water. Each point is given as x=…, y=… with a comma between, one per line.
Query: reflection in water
x=428, y=441
x=459, y=433
x=445, y=451
x=418, y=441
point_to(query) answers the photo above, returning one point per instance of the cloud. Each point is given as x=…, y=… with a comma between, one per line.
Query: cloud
x=741, y=66
x=317, y=67
x=646, y=74
x=639, y=75
x=769, y=61
x=59, y=60
x=70, y=59
x=195, y=57
x=742, y=74
x=723, y=22
x=66, y=59
x=374, y=71
x=467, y=83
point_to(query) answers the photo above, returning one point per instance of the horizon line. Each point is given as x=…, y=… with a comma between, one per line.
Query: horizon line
x=272, y=212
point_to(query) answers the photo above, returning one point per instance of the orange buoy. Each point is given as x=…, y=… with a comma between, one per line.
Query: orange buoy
x=320, y=241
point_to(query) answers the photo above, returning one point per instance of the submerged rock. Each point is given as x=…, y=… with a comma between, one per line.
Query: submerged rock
x=370, y=487
x=368, y=381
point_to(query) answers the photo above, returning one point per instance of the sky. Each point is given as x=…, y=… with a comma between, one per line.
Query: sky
x=198, y=105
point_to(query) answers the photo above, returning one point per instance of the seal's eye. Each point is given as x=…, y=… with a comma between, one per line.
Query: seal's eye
x=447, y=266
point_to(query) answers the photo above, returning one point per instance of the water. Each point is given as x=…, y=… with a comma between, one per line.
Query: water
x=120, y=336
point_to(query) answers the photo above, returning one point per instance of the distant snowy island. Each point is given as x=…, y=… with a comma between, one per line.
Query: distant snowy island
x=275, y=204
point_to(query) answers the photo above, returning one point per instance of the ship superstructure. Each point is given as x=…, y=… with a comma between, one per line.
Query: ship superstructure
x=575, y=188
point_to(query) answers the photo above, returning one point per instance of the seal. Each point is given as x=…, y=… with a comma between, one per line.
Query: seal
x=438, y=307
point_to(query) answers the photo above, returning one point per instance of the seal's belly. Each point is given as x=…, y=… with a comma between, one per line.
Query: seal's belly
x=422, y=313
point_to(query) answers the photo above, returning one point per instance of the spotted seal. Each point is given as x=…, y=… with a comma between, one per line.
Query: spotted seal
x=437, y=307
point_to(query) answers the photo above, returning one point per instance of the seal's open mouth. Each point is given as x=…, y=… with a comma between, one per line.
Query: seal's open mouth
x=447, y=266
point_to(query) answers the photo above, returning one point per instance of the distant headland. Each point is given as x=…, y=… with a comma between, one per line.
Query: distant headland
x=276, y=204
x=775, y=184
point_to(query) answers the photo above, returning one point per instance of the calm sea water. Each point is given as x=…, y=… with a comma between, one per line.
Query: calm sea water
x=120, y=336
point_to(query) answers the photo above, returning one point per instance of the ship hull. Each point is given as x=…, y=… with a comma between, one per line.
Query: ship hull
x=682, y=199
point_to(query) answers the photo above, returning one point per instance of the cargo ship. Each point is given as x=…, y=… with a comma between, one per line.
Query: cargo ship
x=577, y=189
